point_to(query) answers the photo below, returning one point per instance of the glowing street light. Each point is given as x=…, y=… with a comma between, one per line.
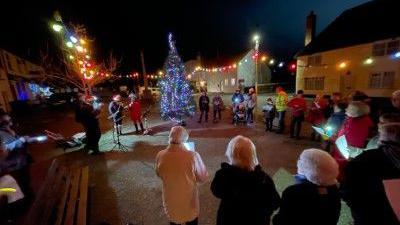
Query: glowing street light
x=368, y=61
x=263, y=58
x=271, y=62
x=280, y=64
x=160, y=73
x=57, y=27
x=397, y=55
x=256, y=38
x=342, y=65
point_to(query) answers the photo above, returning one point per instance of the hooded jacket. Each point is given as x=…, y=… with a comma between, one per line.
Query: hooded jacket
x=362, y=187
x=247, y=197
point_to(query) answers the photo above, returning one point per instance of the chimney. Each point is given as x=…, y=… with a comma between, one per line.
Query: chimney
x=310, y=28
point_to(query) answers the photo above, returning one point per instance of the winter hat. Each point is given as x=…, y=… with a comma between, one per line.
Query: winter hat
x=357, y=109
x=178, y=135
x=241, y=152
x=318, y=167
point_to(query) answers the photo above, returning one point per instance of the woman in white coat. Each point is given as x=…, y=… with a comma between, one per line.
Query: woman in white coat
x=180, y=171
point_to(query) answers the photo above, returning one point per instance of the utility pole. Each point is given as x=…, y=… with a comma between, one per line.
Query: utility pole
x=146, y=92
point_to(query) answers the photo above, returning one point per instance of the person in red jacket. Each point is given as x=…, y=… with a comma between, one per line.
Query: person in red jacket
x=316, y=115
x=136, y=114
x=356, y=129
x=298, y=106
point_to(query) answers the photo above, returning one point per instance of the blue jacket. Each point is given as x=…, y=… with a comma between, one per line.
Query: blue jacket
x=336, y=120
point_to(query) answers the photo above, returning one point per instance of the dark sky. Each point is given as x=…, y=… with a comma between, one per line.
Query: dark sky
x=215, y=28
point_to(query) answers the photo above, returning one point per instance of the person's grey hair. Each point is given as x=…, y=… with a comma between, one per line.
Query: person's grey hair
x=389, y=132
x=357, y=109
x=241, y=152
x=318, y=167
x=178, y=135
x=396, y=94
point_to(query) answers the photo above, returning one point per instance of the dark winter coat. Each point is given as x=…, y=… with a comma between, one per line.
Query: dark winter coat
x=305, y=203
x=204, y=102
x=362, y=187
x=247, y=197
x=115, y=110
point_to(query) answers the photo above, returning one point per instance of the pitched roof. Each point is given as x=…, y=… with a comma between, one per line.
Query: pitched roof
x=369, y=22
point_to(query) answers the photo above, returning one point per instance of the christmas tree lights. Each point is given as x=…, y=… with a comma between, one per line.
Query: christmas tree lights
x=177, y=101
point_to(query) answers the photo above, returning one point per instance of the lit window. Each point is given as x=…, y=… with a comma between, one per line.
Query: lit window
x=315, y=60
x=314, y=83
x=233, y=82
x=382, y=80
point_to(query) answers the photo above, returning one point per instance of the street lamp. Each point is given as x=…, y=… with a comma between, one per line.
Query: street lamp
x=256, y=39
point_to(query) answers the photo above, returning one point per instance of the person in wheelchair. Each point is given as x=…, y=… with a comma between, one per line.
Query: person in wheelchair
x=239, y=114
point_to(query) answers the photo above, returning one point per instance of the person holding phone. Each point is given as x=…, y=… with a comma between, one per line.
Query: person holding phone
x=180, y=171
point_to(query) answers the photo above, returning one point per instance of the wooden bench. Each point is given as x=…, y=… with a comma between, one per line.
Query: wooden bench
x=62, y=199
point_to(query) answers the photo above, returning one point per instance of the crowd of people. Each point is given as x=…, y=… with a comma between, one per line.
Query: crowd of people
x=248, y=195
x=324, y=176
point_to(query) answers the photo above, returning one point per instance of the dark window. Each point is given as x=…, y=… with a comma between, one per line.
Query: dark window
x=378, y=49
x=392, y=47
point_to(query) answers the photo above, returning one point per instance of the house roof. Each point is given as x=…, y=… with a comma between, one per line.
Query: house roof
x=369, y=22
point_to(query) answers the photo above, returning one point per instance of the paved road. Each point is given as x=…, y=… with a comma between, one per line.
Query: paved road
x=124, y=187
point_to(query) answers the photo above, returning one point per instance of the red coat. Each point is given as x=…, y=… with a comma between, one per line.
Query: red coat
x=298, y=106
x=356, y=131
x=135, y=110
x=316, y=113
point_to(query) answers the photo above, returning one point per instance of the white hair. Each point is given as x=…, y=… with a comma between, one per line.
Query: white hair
x=357, y=109
x=178, y=135
x=389, y=132
x=396, y=94
x=318, y=167
x=241, y=152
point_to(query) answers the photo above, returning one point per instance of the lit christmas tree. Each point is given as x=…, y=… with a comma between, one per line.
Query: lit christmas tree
x=177, y=101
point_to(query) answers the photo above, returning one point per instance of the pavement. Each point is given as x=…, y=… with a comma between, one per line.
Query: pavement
x=123, y=184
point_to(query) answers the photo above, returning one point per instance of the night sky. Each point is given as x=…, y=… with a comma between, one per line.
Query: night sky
x=219, y=30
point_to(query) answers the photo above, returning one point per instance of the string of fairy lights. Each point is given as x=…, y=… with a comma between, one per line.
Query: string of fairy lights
x=78, y=53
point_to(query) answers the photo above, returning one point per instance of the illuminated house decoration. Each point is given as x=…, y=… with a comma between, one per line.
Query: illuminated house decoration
x=357, y=51
x=15, y=75
x=227, y=78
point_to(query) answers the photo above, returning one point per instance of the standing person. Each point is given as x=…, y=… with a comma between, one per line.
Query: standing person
x=316, y=116
x=251, y=101
x=217, y=106
x=356, y=128
x=280, y=104
x=298, y=106
x=135, y=111
x=396, y=101
x=314, y=199
x=363, y=188
x=204, y=102
x=237, y=98
x=269, y=114
x=329, y=106
x=334, y=123
x=115, y=109
x=14, y=155
x=180, y=171
x=247, y=193
x=88, y=115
